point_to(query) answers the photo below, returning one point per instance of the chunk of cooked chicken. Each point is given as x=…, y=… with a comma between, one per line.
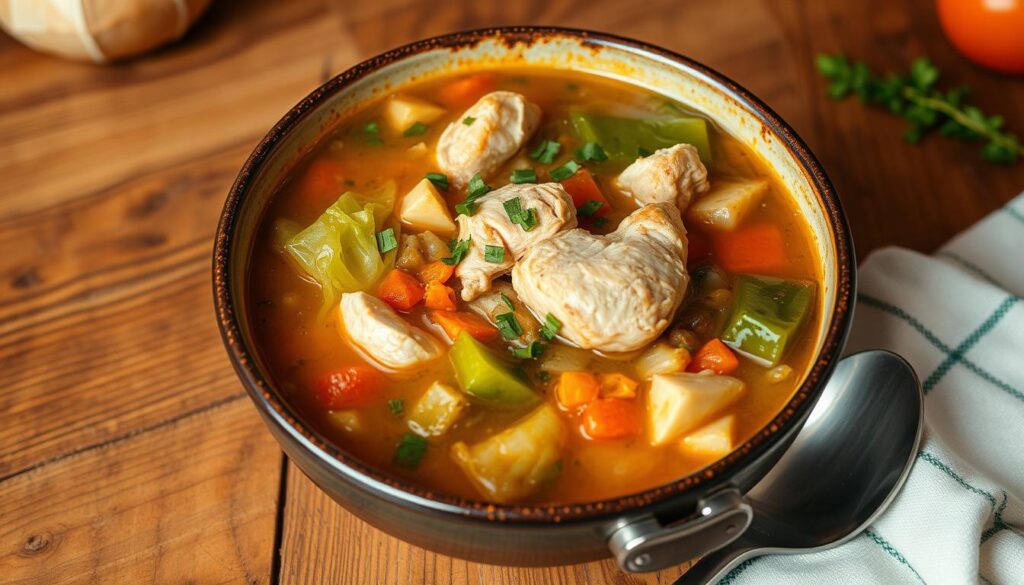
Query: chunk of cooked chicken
x=670, y=175
x=612, y=293
x=376, y=329
x=499, y=124
x=492, y=303
x=490, y=225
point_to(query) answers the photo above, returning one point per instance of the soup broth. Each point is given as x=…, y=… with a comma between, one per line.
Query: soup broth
x=366, y=153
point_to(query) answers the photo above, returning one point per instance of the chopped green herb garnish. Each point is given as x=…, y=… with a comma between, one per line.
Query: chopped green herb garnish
x=546, y=152
x=643, y=152
x=534, y=350
x=386, y=240
x=372, y=131
x=396, y=407
x=508, y=325
x=527, y=218
x=589, y=208
x=592, y=151
x=458, y=249
x=417, y=129
x=477, y=187
x=550, y=328
x=440, y=180
x=494, y=254
x=520, y=176
x=507, y=301
x=410, y=451
x=543, y=376
x=468, y=120
x=565, y=171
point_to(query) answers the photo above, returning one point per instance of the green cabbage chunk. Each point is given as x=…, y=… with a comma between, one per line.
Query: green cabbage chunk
x=339, y=250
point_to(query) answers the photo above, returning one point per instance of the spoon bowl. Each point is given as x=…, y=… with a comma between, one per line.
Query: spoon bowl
x=841, y=472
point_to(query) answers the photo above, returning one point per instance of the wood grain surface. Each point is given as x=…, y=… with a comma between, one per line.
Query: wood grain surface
x=128, y=451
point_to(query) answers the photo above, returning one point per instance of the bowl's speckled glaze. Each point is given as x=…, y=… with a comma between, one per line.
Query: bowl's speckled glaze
x=525, y=534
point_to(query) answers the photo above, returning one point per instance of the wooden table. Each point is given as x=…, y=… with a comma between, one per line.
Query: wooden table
x=128, y=450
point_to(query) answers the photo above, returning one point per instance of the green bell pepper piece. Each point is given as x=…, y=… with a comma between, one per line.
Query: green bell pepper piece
x=624, y=138
x=485, y=376
x=767, y=314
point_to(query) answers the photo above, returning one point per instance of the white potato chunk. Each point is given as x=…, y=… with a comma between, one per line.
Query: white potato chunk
x=679, y=403
x=402, y=111
x=714, y=440
x=423, y=208
x=437, y=410
x=728, y=203
x=517, y=461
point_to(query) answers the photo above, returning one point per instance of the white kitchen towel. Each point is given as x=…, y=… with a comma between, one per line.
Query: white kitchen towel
x=958, y=318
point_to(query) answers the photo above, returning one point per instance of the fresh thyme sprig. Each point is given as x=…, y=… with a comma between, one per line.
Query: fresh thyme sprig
x=915, y=98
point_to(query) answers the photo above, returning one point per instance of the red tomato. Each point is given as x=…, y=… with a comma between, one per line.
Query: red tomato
x=988, y=32
x=349, y=387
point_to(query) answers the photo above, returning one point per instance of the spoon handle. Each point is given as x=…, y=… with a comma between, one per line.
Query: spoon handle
x=714, y=566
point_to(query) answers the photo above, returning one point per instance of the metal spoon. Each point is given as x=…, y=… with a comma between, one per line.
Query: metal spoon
x=844, y=468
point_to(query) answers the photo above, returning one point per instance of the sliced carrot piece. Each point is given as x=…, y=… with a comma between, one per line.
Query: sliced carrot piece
x=610, y=418
x=583, y=189
x=714, y=356
x=577, y=389
x=455, y=322
x=758, y=248
x=464, y=92
x=439, y=297
x=438, y=272
x=321, y=181
x=400, y=289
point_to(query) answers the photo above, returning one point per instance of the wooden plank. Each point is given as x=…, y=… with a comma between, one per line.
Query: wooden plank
x=323, y=544
x=192, y=499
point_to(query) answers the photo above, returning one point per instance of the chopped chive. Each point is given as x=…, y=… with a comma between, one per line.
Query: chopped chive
x=508, y=302
x=643, y=152
x=530, y=221
x=468, y=120
x=565, y=171
x=417, y=129
x=508, y=325
x=546, y=152
x=526, y=218
x=372, y=131
x=534, y=350
x=458, y=250
x=440, y=180
x=396, y=407
x=589, y=208
x=386, y=240
x=494, y=254
x=520, y=176
x=550, y=328
x=477, y=188
x=592, y=151
x=410, y=451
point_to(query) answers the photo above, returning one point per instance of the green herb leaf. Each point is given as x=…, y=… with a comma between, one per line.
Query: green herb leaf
x=417, y=129
x=396, y=407
x=546, y=152
x=532, y=351
x=527, y=218
x=494, y=254
x=475, y=190
x=386, y=240
x=520, y=176
x=592, y=151
x=440, y=180
x=507, y=301
x=410, y=451
x=468, y=120
x=459, y=249
x=508, y=325
x=565, y=171
x=550, y=328
x=372, y=132
x=589, y=208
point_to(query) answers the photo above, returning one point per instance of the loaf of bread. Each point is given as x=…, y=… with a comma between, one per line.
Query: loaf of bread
x=98, y=30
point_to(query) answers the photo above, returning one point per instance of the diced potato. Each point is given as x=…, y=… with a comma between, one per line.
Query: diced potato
x=714, y=440
x=424, y=208
x=517, y=461
x=418, y=149
x=728, y=203
x=679, y=403
x=402, y=111
x=346, y=420
x=662, y=358
x=437, y=410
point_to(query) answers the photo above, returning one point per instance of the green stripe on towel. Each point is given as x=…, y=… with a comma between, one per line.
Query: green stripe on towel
x=889, y=548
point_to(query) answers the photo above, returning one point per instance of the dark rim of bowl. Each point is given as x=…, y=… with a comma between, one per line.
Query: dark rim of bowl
x=402, y=491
